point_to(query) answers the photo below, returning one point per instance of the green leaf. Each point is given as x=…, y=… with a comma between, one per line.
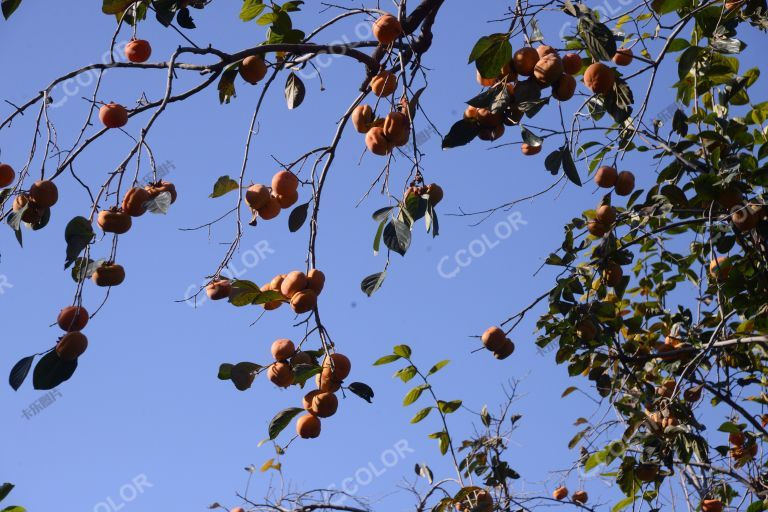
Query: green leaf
x=461, y=134
x=244, y=293
x=5, y=489
x=362, y=390
x=414, y=394
x=569, y=167
x=372, y=283
x=294, y=91
x=568, y=391
x=677, y=44
x=687, y=59
x=297, y=217
x=50, y=371
x=226, y=85
x=9, y=6
x=529, y=137
x=397, y=236
x=490, y=54
x=381, y=214
x=377, y=237
x=225, y=371
x=448, y=407
x=403, y=351
x=14, y=508
x=553, y=161
x=16, y=378
x=251, y=9
x=224, y=185
x=391, y=358
x=407, y=373
x=421, y=414
x=107, y=6
x=597, y=37
x=624, y=503
x=437, y=367
x=281, y=420
x=78, y=234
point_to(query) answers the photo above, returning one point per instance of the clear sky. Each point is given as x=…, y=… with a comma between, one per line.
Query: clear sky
x=145, y=416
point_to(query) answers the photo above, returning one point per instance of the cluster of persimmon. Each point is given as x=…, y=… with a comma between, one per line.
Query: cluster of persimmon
x=118, y=220
x=600, y=78
x=544, y=68
x=433, y=191
x=266, y=202
x=35, y=203
x=622, y=183
x=322, y=402
x=72, y=320
x=297, y=288
x=577, y=497
x=382, y=135
x=495, y=340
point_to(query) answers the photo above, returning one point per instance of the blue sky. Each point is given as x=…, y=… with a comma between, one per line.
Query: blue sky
x=145, y=402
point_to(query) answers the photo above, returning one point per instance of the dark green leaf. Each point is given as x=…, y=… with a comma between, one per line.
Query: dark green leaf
x=461, y=134
x=597, y=37
x=50, y=371
x=184, y=18
x=281, y=420
x=362, y=390
x=5, y=489
x=9, y=6
x=403, y=351
x=372, y=283
x=569, y=167
x=18, y=374
x=297, y=217
x=78, y=234
x=397, y=236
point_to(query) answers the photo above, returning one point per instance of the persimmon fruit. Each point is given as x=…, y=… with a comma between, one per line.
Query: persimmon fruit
x=530, y=150
x=384, y=84
x=280, y=374
x=493, y=338
x=743, y=219
x=548, y=69
x=283, y=349
x=623, y=57
x=315, y=280
x=270, y=210
x=284, y=182
x=524, y=60
x=158, y=187
x=338, y=364
x=597, y=228
x=572, y=63
x=113, y=115
x=253, y=69
x=711, y=506
x=257, y=196
x=606, y=176
x=506, y=349
x=134, y=202
x=580, y=497
x=386, y=29
x=376, y=142
x=114, y=221
x=560, y=493
x=293, y=283
x=324, y=404
x=73, y=318
x=304, y=301
x=564, y=88
x=720, y=268
x=308, y=426
x=612, y=274
x=435, y=193
x=599, y=78
x=7, y=175
x=606, y=214
x=138, y=51
x=71, y=346
x=362, y=117
x=109, y=274
x=625, y=183
x=44, y=193
x=287, y=200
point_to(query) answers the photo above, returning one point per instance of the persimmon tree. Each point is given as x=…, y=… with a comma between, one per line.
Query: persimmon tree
x=661, y=302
